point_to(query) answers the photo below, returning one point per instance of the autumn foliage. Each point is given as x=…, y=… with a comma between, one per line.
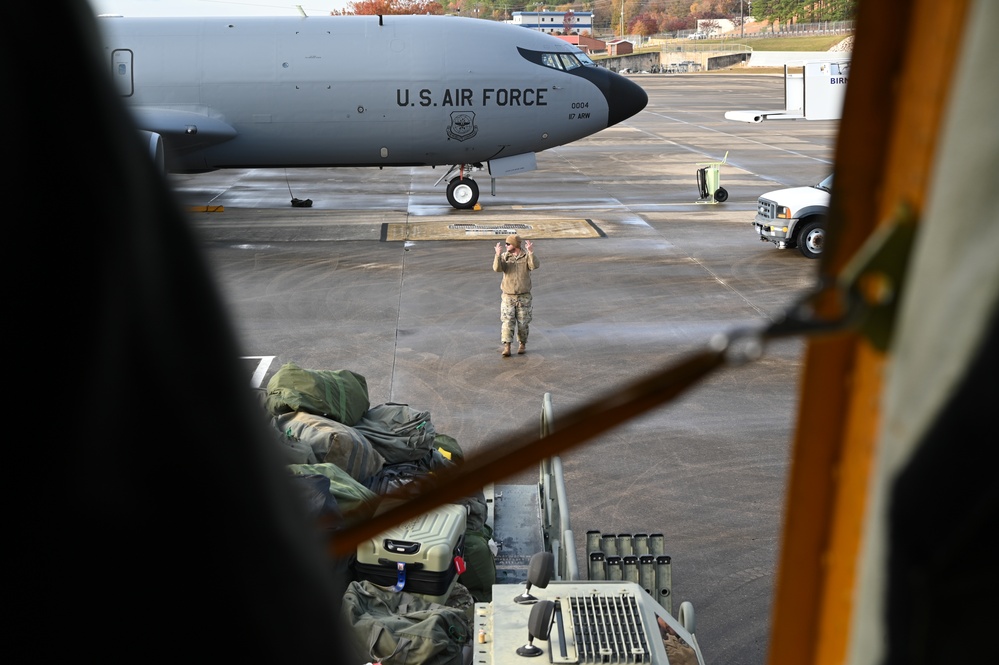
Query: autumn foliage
x=389, y=7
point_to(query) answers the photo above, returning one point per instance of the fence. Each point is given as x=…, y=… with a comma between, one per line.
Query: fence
x=763, y=31
x=803, y=29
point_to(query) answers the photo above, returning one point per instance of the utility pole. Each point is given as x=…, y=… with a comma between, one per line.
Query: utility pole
x=622, y=20
x=742, y=20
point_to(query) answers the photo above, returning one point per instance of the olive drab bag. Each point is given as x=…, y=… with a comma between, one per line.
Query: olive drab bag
x=398, y=431
x=399, y=628
x=339, y=395
x=480, y=562
x=350, y=495
x=330, y=441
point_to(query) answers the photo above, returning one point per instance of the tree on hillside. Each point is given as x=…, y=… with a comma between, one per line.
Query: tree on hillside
x=804, y=11
x=715, y=8
x=390, y=7
x=630, y=9
x=645, y=25
x=833, y=10
x=674, y=24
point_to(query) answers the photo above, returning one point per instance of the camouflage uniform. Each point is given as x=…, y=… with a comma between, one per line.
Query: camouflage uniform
x=515, y=311
x=516, y=304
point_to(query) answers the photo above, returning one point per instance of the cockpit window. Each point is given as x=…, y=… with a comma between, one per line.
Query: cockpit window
x=560, y=61
x=551, y=60
x=565, y=61
x=569, y=61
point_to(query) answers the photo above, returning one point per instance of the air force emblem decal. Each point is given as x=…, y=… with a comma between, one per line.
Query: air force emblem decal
x=462, y=125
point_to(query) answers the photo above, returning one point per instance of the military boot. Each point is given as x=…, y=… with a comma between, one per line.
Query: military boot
x=506, y=348
x=522, y=348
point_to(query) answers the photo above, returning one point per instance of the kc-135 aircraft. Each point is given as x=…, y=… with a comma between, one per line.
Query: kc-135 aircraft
x=361, y=91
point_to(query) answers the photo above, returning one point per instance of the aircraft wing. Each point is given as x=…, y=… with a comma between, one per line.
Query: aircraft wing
x=760, y=116
x=814, y=94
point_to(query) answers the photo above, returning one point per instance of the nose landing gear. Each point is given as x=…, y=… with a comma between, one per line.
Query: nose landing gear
x=462, y=191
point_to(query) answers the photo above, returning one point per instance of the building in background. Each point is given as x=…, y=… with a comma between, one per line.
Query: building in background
x=620, y=47
x=587, y=45
x=558, y=23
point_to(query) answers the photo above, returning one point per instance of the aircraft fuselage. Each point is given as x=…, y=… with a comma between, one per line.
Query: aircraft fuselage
x=356, y=90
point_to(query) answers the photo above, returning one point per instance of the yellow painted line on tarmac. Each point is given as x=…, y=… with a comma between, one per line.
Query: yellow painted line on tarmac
x=206, y=209
x=547, y=229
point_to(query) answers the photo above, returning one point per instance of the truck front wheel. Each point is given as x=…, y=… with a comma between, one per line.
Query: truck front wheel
x=812, y=238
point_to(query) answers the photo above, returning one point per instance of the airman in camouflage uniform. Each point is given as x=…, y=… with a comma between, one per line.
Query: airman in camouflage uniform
x=516, y=306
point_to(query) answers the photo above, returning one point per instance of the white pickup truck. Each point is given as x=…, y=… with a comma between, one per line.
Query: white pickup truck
x=795, y=217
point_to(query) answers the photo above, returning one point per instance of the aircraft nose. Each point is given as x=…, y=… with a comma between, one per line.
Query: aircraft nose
x=625, y=98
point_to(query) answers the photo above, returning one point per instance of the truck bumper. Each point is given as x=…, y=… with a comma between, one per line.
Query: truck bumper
x=777, y=232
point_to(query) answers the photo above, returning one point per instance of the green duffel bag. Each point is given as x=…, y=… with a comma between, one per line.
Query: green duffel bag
x=331, y=442
x=480, y=565
x=400, y=628
x=340, y=395
x=449, y=447
x=478, y=512
x=398, y=431
x=351, y=496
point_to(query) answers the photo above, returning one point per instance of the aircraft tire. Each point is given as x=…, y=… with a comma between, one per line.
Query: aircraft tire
x=462, y=193
x=721, y=195
x=812, y=238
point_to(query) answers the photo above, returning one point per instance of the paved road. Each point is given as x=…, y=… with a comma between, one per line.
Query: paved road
x=419, y=319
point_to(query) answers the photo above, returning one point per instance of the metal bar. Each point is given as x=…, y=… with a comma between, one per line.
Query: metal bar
x=506, y=457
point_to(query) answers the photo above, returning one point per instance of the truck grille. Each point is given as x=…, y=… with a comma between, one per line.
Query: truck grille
x=608, y=629
x=766, y=209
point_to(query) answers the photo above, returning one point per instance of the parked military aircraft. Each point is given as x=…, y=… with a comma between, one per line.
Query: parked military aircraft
x=360, y=91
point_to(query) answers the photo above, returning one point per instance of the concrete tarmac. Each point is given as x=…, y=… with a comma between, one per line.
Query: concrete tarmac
x=419, y=319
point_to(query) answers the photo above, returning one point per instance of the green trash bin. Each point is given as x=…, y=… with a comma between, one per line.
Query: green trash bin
x=709, y=182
